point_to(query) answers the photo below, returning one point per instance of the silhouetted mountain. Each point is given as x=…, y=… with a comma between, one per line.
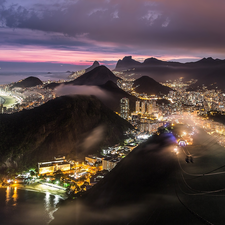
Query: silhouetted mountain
x=28, y=82
x=116, y=94
x=52, y=85
x=206, y=70
x=152, y=60
x=59, y=127
x=94, y=65
x=73, y=75
x=127, y=62
x=209, y=62
x=99, y=75
x=149, y=86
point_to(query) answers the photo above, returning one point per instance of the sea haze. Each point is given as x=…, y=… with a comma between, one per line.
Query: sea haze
x=9, y=77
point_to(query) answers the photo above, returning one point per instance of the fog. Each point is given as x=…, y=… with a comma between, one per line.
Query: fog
x=81, y=90
x=94, y=138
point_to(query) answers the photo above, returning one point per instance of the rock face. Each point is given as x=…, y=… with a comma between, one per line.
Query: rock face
x=28, y=82
x=94, y=65
x=127, y=62
x=70, y=125
x=149, y=86
x=99, y=75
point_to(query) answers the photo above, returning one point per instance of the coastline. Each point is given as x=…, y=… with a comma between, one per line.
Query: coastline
x=2, y=100
x=41, y=188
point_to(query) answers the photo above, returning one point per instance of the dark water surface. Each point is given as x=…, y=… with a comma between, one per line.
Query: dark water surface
x=26, y=207
x=9, y=77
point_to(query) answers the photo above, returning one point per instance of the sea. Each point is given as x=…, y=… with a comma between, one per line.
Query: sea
x=9, y=77
x=24, y=207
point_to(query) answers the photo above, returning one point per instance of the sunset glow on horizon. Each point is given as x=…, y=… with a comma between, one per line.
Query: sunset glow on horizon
x=80, y=32
x=37, y=54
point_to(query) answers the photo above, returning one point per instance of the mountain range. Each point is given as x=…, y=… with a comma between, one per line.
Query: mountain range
x=103, y=78
x=207, y=70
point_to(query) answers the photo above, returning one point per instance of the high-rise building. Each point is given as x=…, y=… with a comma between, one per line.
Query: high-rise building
x=143, y=107
x=137, y=106
x=149, y=108
x=109, y=163
x=124, y=108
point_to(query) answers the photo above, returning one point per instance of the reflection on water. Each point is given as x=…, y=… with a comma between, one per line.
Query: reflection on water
x=26, y=207
x=47, y=201
x=11, y=194
x=56, y=200
x=8, y=189
x=15, y=196
x=50, y=209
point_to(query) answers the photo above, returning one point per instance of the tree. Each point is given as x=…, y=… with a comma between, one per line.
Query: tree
x=32, y=173
x=58, y=174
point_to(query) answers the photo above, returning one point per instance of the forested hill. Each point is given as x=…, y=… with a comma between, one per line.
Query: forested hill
x=72, y=126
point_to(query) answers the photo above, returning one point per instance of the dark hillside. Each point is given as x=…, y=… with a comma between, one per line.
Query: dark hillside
x=28, y=82
x=149, y=86
x=97, y=76
x=116, y=94
x=59, y=127
x=136, y=191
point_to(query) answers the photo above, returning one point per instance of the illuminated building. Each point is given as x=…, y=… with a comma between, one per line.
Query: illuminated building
x=109, y=163
x=124, y=108
x=154, y=106
x=91, y=159
x=149, y=108
x=137, y=106
x=143, y=107
x=52, y=166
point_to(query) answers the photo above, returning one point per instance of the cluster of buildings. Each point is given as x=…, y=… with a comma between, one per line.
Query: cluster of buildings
x=180, y=99
x=146, y=118
x=211, y=127
x=26, y=98
x=60, y=163
x=94, y=167
x=179, y=84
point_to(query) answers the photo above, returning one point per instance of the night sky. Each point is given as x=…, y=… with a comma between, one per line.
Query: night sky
x=81, y=31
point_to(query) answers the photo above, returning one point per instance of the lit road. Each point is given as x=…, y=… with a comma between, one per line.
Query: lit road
x=201, y=184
